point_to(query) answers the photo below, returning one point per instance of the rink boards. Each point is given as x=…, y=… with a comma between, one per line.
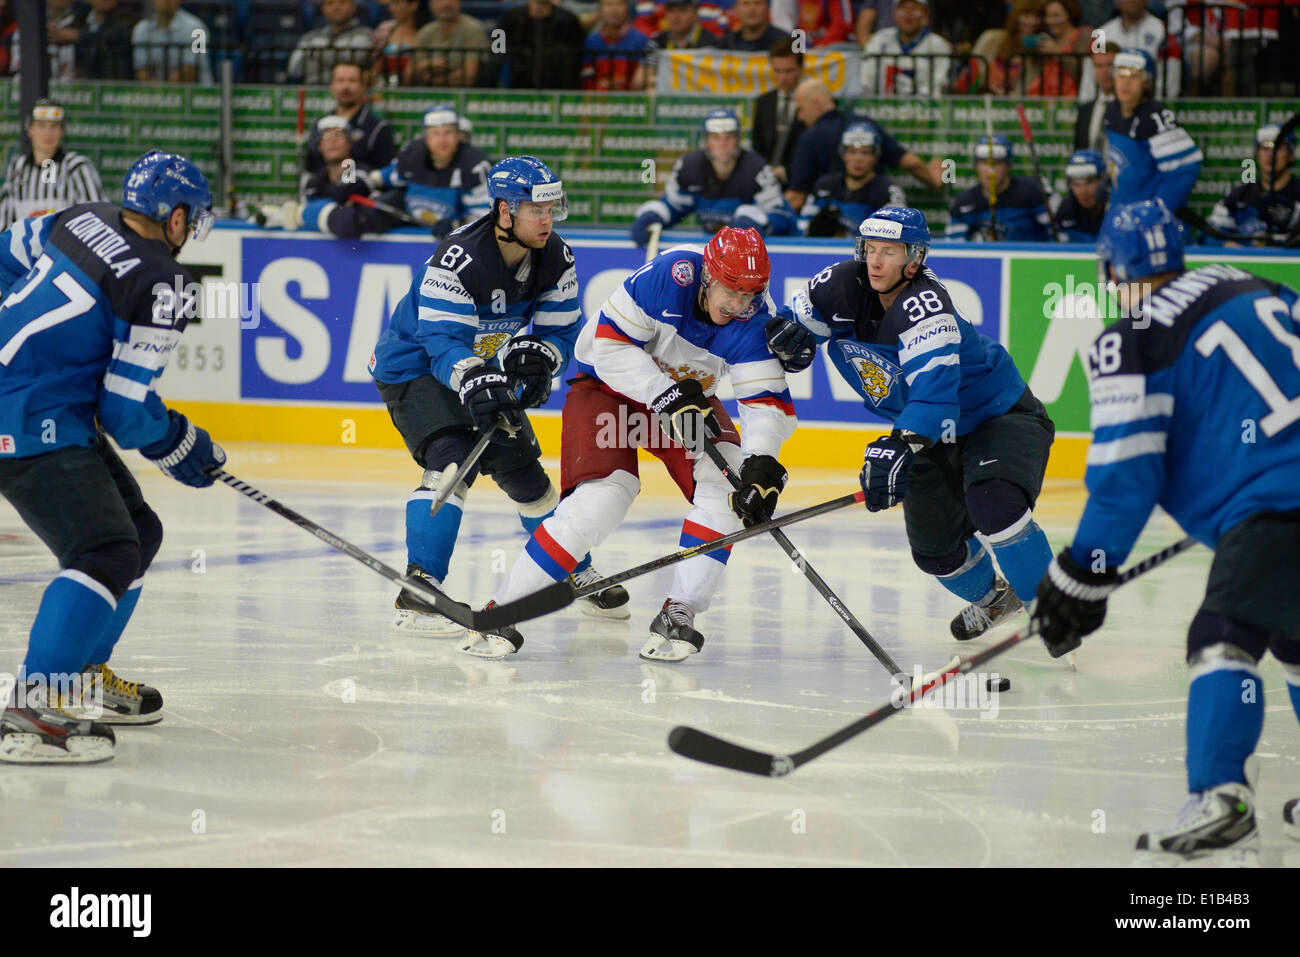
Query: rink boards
x=290, y=320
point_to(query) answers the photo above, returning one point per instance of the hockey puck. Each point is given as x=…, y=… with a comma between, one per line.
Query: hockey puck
x=998, y=684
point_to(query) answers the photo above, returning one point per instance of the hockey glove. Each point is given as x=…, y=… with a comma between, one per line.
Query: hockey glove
x=530, y=362
x=487, y=393
x=885, y=466
x=186, y=452
x=791, y=343
x=641, y=229
x=686, y=415
x=761, y=480
x=1071, y=603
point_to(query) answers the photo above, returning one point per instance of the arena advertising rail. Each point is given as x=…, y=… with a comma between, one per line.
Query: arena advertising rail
x=289, y=321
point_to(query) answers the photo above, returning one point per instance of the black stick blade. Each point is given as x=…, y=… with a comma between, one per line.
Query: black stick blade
x=541, y=602
x=701, y=746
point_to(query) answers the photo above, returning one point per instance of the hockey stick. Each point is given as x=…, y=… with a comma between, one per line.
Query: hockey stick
x=458, y=612
x=702, y=746
x=1038, y=170
x=564, y=592
x=1197, y=221
x=993, y=174
x=393, y=211
x=652, y=247
x=816, y=580
x=451, y=474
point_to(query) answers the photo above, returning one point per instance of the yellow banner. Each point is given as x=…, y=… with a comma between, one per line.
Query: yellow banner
x=746, y=74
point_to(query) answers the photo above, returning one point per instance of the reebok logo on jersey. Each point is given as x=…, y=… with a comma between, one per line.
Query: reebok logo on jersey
x=7, y=446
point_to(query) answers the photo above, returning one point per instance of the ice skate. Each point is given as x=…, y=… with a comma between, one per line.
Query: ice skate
x=108, y=699
x=1215, y=828
x=35, y=729
x=672, y=634
x=1290, y=816
x=416, y=616
x=493, y=645
x=610, y=603
x=975, y=619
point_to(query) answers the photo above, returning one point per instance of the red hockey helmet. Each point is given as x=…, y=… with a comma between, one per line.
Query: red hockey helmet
x=737, y=258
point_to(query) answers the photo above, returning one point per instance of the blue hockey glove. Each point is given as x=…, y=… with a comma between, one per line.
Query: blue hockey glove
x=531, y=363
x=790, y=342
x=1070, y=603
x=186, y=452
x=885, y=466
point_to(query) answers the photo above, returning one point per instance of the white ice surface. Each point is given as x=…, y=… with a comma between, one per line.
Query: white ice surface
x=300, y=731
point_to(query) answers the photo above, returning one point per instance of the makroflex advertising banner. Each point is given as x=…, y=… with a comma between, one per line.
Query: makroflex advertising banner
x=290, y=319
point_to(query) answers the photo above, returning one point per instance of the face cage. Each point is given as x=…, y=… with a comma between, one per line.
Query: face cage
x=707, y=280
x=559, y=212
x=201, y=224
x=915, y=251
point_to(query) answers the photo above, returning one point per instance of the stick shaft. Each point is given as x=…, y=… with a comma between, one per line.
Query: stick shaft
x=816, y=580
x=652, y=247
x=464, y=468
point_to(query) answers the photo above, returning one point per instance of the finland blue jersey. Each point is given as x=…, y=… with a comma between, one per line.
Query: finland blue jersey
x=1198, y=412
x=918, y=363
x=1250, y=212
x=457, y=192
x=752, y=190
x=832, y=204
x=466, y=304
x=1078, y=224
x=1021, y=212
x=652, y=332
x=1150, y=156
x=91, y=312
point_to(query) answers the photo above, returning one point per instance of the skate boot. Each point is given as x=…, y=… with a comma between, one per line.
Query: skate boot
x=1291, y=819
x=975, y=618
x=610, y=603
x=416, y=616
x=35, y=729
x=493, y=645
x=1215, y=828
x=108, y=699
x=672, y=634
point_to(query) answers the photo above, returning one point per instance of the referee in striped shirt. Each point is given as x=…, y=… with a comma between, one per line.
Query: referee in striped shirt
x=47, y=177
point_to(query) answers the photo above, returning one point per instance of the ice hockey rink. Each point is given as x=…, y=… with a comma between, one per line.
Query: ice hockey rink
x=300, y=730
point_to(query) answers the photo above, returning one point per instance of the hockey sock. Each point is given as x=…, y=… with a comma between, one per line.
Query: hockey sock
x=1225, y=716
x=532, y=514
x=973, y=581
x=696, y=579
x=430, y=539
x=116, y=624
x=1023, y=555
x=74, y=612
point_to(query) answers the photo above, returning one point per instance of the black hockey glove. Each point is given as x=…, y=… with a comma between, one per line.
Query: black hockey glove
x=790, y=342
x=1071, y=603
x=885, y=467
x=186, y=452
x=762, y=479
x=531, y=363
x=686, y=415
x=486, y=393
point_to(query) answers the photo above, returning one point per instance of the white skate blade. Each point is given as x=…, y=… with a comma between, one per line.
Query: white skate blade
x=29, y=749
x=1232, y=857
x=659, y=648
x=430, y=626
x=590, y=609
x=487, y=646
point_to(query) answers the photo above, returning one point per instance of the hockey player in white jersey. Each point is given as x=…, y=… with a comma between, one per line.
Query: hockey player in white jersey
x=651, y=359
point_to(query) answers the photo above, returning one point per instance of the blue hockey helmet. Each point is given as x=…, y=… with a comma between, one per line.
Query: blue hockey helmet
x=1135, y=59
x=996, y=148
x=1139, y=240
x=158, y=182
x=859, y=135
x=895, y=224
x=441, y=114
x=526, y=179
x=1085, y=164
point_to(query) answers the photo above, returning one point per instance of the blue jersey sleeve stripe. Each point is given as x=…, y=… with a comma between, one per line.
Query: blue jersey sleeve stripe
x=932, y=365
x=128, y=388
x=454, y=312
x=1128, y=447
x=562, y=305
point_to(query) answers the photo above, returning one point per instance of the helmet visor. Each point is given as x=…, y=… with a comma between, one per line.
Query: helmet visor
x=201, y=224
